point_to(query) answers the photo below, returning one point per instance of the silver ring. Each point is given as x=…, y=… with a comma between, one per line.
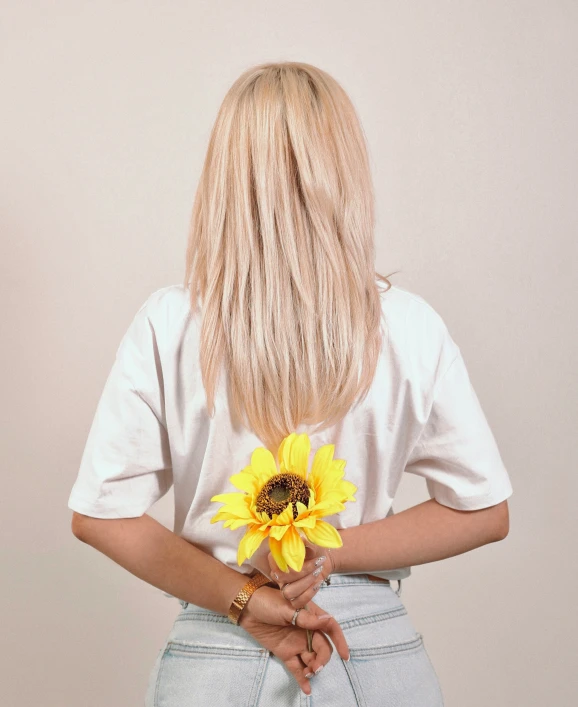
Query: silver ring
x=294, y=619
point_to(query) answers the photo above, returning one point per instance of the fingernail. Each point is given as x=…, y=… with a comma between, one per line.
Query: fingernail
x=316, y=587
x=317, y=571
x=319, y=669
x=325, y=616
x=319, y=560
x=309, y=675
x=348, y=658
x=274, y=574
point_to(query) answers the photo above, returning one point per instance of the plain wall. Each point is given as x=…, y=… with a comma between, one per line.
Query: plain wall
x=470, y=112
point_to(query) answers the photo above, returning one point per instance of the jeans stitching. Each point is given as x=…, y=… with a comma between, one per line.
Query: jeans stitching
x=341, y=581
x=158, y=683
x=373, y=618
x=361, y=653
x=258, y=680
x=355, y=684
x=212, y=649
x=262, y=654
x=201, y=616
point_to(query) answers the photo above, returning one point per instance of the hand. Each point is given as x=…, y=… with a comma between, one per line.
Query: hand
x=304, y=584
x=267, y=617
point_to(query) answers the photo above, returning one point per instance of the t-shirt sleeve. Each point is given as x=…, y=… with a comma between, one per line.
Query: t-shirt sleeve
x=126, y=463
x=456, y=451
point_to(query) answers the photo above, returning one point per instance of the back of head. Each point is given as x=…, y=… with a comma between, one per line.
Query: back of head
x=281, y=253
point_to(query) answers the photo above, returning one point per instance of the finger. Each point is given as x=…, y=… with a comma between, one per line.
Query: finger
x=323, y=650
x=291, y=575
x=329, y=625
x=300, y=601
x=295, y=667
x=308, y=658
x=277, y=573
x=300, y=586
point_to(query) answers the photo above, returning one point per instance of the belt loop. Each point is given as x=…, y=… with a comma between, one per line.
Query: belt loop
x=398, y=590
x=183, y=603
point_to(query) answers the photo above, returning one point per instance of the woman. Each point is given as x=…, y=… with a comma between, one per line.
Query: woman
x=283, y=332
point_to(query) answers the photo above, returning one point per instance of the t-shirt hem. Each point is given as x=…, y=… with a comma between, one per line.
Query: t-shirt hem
x=100, y=510
x=474, y=503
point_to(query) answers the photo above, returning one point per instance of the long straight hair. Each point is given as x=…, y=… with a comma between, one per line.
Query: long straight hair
x=281, y=253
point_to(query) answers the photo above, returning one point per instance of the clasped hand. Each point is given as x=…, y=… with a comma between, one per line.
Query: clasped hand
x=268, y=615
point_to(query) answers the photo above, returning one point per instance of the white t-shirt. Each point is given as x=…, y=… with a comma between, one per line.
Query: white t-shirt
x=151, y=429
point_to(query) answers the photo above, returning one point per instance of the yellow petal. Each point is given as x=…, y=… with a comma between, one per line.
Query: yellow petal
x=256, y=473
x=275, y=547
x=338, y=467
x=293, y=549
x=220, y=516
x=236, y=511
x=301, y=509
x=286, y=516
x=320, y=465
x=307, y=522
x=349, y=489
x=323, y=534
x=283, y=452
x=294, y=454
x=246, y=482
x=249, y=543
x=263, y=462
x=235, y=523
x=299, y=452
x=227, y=497
x=327, y=508
x=312, y=498
x=278, y=531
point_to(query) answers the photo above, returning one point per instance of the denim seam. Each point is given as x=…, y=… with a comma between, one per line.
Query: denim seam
x=161, y=668
x=213, y=649
x=304, y=700
x=374, y=618
x=392, y=648
x=258, y=680
x=341, y=582
x=355, y=684
x=201, y=616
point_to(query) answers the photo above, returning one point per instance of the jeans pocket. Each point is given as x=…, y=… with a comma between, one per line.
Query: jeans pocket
x=389, y=662
x=191, y=674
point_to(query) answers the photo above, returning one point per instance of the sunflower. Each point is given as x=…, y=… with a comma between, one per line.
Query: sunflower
x=281, y=503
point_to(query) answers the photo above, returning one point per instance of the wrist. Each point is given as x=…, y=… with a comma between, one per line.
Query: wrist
x=241, y=601
x=336, y=554
x=251, y=609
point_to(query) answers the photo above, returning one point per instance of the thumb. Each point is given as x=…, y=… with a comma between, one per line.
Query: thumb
x=318, y=622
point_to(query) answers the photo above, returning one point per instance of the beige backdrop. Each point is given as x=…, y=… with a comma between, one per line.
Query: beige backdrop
x=470, y=111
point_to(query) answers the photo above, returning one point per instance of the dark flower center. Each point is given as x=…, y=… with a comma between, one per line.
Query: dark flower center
x=281, y=490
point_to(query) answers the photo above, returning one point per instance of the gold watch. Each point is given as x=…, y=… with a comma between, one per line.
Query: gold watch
x=240, y=601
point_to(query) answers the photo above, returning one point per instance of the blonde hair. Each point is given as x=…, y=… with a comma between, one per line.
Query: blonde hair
x=281, y=253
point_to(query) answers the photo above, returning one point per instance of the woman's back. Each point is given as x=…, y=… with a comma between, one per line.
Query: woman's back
x=152, y=429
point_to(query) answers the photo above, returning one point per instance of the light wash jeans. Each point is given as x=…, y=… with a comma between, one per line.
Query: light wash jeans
x=209, y=662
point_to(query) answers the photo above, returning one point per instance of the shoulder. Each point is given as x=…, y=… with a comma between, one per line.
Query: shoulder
x=165, y=305
x=161, y=313
x=165, y=298
x=416, y=330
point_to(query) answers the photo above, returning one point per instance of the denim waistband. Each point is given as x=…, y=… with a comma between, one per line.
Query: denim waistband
x=335, y=580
